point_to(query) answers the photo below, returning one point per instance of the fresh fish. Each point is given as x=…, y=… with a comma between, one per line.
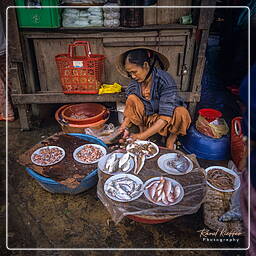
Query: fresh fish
x=164, y=198
x=113, y=166
x=139, y=163
x=111, y=191
x=160, y=187
x=177, y=191
x=168, y=188
x=122, y=196
x=123, y=160
x=123, y=188
x=152, y=189
x=151, y=150
x=110, y=160
x=126, y=166
x=171, y=198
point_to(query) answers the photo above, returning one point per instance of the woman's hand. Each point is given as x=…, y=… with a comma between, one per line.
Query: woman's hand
x=138, y=136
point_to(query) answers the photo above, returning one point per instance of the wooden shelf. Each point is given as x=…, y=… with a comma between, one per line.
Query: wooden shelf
x=86, y=30
x=59, y=97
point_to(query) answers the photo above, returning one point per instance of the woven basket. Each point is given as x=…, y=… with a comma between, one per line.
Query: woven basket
x=216, y=204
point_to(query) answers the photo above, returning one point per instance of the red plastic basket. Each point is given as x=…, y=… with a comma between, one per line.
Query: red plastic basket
x=210, y=114
x=80, y=74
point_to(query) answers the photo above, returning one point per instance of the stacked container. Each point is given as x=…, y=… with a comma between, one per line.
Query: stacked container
x=111, y=15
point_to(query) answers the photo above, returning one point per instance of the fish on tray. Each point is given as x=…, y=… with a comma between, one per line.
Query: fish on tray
x=138, y=148
x=123, y=189
x=180, y=163
x=163, y=191
x=118, y=164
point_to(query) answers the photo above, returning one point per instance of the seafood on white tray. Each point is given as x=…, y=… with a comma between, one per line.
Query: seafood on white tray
x=163, y=191
x=89, y=153
x=48, y=155
x=175, y=163
x=116, y=163
x=142, y=147
x=123, y=187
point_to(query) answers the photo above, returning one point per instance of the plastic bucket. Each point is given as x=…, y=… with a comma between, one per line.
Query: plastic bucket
x=205, y=147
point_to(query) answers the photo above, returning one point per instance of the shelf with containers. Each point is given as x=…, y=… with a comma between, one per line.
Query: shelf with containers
x=182, y=44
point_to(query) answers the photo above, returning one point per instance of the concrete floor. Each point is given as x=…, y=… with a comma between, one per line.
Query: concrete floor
x=39, y=219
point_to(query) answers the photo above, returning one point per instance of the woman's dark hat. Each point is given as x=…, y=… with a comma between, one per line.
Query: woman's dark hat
x=120, y=60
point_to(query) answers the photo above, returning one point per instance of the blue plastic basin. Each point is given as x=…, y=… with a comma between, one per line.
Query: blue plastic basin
x=87, y=182
x=205, y=147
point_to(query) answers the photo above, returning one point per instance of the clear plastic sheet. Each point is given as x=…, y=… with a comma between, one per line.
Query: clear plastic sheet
x=108, y=133
x=194, y=185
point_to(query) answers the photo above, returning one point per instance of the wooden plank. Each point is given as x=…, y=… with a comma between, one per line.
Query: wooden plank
x=172, y=54
x=150, y=15
x=197, y=78
x=16, y=79
x=145, y=43
x=102, y=31
x=23, y=116
x=177, y=32
x=198, y=68
x=206, y=14
x=29, y=68
x=45, y=51
x=44, y=98
x=14, y=45
x=192, y=109
x=172, y=15
x=188, y=61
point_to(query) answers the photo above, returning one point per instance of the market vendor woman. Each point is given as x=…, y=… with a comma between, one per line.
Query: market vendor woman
x=152, y=101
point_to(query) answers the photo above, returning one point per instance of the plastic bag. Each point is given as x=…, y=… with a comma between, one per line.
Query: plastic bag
x=111, y=23
x=193, y=183
x=110, y=88
x=109, y=134
x=214, y=129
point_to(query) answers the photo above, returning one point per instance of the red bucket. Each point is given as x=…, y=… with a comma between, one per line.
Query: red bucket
x=210, y=114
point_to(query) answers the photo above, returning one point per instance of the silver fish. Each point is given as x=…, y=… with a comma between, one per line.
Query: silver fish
x=123, y=188
x=113, y=166
x=110, y=160
x=123, y=160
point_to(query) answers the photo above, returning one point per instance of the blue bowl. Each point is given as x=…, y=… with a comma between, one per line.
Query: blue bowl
x=87, y=182
x=205, y=147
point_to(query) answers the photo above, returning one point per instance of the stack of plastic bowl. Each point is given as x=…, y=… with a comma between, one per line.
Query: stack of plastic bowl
x=93, y=115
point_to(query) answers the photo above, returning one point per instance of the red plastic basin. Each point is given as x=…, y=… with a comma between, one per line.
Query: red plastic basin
x=85, y=113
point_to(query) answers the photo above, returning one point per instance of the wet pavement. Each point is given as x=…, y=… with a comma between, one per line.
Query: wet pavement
x=39, y=219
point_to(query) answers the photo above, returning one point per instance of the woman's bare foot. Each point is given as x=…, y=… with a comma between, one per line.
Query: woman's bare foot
x=170, y=141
